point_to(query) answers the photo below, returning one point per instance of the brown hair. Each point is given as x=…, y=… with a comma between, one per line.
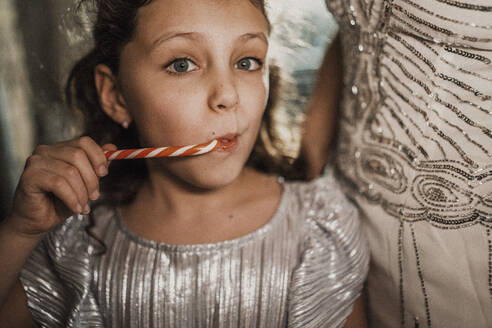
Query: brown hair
x=114, y=27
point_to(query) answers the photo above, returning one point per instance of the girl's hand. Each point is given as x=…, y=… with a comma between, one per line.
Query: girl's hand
x=57, y=182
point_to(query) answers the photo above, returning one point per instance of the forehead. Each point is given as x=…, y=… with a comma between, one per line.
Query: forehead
x=209, y=16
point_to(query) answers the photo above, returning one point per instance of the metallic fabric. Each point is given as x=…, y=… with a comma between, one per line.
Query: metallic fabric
x=304, y=268
x=416, y=153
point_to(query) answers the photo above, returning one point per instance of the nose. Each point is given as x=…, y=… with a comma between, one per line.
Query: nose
x=223, y=93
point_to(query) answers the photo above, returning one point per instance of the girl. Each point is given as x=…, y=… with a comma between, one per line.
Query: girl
x=196, y=242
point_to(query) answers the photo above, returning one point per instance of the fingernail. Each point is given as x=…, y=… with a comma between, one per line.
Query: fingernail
x=95, y=195
x=87, y=209
x=102, y=170
x=78, y=209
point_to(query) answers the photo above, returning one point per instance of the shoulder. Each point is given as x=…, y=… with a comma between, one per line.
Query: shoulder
x=322, y=199
x=69, y=237
x=69, y=245
x=57, y=275
x=329, y=219
x=331, y=226
x=334, y=255
x=74, y=235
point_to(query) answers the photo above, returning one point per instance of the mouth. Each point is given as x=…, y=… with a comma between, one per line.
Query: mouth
x=228, y=142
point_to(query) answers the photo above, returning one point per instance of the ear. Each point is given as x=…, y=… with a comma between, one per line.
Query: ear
x=111, y=100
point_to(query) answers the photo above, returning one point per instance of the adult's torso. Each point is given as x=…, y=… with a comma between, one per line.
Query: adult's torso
x=415, y=152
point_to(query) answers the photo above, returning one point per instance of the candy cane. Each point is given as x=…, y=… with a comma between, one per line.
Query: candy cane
x=191, y=150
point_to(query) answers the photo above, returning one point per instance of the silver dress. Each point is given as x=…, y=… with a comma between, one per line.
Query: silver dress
x=415, y=153
x=304, y=268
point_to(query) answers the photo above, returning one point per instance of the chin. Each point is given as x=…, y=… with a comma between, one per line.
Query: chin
x=216, y=180
x=209, y=178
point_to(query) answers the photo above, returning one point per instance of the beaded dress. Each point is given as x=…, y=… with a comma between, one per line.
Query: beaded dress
x=415, y=153
x=304, y=268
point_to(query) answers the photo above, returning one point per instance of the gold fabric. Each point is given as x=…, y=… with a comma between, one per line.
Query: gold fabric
x=415, y=152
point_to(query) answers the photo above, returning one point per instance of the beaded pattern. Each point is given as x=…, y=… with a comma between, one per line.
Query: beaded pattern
x=426, y=118
x=421, y=277
x=416, y=125
x=400, y=269
x=490, y=260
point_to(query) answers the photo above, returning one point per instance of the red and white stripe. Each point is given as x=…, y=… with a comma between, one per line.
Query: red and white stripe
x=191, y=150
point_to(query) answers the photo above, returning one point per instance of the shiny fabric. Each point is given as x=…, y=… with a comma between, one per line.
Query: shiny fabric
x=304, y=268
x=415, y=152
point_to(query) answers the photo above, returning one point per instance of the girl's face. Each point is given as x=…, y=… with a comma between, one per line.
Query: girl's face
x=196, y=70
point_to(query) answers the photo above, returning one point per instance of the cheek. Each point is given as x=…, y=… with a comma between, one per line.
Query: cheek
x=257, y=96
x=165, y=118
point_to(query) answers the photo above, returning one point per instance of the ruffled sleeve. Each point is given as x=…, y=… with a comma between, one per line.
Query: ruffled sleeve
x=334, y=260
x=57, y=278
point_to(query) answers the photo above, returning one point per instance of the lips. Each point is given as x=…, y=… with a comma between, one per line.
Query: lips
x=228, y=142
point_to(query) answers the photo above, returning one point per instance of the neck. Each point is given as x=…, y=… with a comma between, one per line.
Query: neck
x=170, y=211
x=164, y=193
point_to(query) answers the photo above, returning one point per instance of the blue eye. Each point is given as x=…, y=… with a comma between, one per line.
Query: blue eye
x=249, y=64
x=180, y=66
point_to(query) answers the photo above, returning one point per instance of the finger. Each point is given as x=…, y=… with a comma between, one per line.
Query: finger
x=47, y=165
x=78, y=158
x=59, y=186
x=109, y=147
x=95, y=154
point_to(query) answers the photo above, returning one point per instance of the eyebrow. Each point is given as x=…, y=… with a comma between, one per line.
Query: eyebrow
x=249, y=36
x=194, y=36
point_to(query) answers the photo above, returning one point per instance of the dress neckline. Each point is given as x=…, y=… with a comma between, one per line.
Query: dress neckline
x=193, y=248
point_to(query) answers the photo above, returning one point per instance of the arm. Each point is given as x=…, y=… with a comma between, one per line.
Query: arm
x=57, y=182
x=14, y=251
x=319, y=127
x=357, y=319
